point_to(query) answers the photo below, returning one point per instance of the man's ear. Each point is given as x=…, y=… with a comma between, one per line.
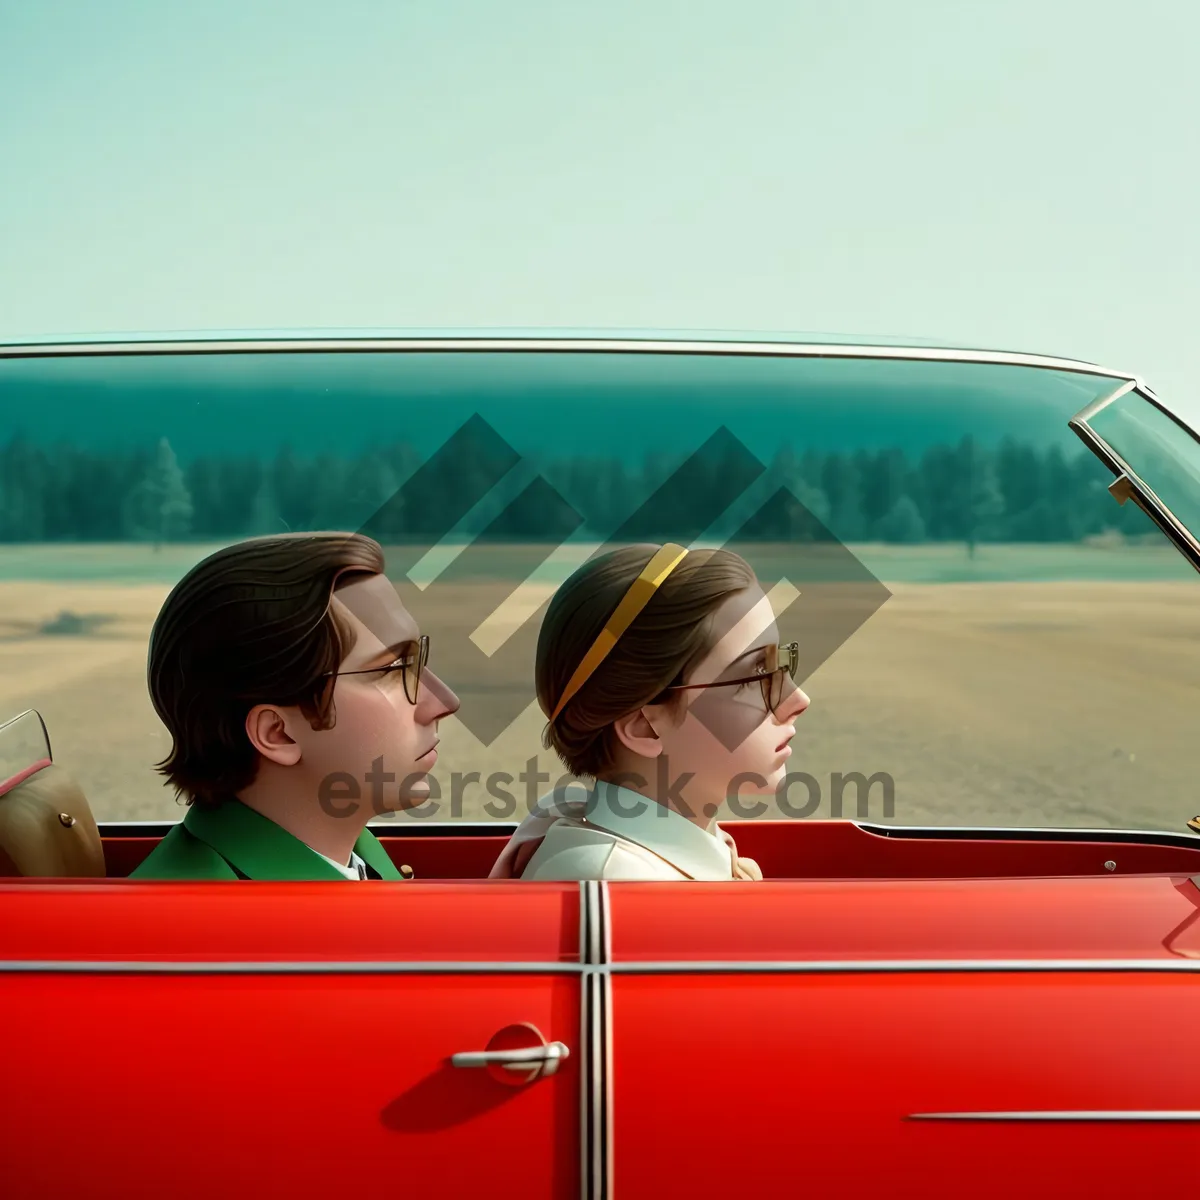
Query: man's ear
x=636, y=733
x=266, y=727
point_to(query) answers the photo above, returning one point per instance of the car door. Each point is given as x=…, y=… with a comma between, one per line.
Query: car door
x=290, y=1039
x=842, y=1038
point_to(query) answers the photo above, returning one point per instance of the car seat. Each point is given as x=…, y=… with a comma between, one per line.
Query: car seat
x=46, y=824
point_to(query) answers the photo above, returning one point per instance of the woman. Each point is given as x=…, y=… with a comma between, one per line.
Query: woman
x=663, y=679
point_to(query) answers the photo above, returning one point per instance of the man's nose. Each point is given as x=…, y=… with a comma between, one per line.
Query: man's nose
x=435, y=699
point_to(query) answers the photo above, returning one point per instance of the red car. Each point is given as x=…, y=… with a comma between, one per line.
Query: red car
x=930, y=1007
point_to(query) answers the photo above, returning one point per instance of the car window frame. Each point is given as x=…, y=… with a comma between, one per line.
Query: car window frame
x=1128, y=484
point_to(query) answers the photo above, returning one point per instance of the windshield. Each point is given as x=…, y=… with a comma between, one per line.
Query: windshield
x=987, y=638
x=1159, y=455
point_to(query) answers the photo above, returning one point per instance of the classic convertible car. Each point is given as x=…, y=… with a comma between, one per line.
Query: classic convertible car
x=948, y=1006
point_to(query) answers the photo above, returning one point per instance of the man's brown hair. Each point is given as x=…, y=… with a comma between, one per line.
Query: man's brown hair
x=669, y=636
x=251, y=624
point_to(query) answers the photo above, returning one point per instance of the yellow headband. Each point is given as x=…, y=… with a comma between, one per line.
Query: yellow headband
x=632, y=603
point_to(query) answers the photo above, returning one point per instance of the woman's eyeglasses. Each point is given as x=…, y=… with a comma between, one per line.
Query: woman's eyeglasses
x=781, y=662
x=411, y=659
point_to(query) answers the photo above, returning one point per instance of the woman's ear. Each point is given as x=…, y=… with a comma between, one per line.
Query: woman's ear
x=266, y=727
x=636, y=733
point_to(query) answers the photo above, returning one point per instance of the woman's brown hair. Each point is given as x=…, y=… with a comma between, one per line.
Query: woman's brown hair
x=251, y=624
x=667, y=638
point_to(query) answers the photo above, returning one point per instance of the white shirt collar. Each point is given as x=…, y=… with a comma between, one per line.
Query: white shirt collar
x=356, y=870
x=696, y=851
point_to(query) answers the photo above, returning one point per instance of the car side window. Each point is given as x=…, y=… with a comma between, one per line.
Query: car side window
x=954, y=569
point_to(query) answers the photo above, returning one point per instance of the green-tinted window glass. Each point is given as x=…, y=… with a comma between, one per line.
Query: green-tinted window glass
x=1013, y=595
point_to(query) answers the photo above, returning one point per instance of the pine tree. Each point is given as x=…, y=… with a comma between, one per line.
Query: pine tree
x=983, y=501
x=886, y=487
x=842, y=486
x=332, y=503
x=203, y=479
x=295, y=488
x=159, y=507
x=373, y=495
x=804, y=512
x=23, y=476
x=903, y=524
x=1061, y=517
x=1094, y=509
x=264, y=508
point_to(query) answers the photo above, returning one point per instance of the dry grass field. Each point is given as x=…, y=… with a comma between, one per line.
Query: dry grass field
x=1033, y=703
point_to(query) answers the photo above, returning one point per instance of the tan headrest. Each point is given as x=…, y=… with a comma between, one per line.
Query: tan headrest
x=47, y=828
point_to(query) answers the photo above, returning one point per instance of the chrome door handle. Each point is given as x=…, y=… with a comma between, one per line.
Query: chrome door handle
x=515, y=1055
x=549, y=1055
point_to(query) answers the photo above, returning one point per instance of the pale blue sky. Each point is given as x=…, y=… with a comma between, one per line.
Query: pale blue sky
x=1021, y=175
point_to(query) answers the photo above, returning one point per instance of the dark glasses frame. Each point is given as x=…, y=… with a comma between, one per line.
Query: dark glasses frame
x=404, y=663
x=771, y=680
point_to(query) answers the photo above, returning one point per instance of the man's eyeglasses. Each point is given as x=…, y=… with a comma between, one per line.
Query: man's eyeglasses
x=410, y=661
x=781, y=663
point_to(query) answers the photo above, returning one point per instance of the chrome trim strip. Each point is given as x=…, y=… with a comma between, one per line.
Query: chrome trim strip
x=1164, y=1114
x=587, y=922
x=1086, y=414
x=606, y=1033
x=563, y=345
x=1057, y=833
x=595, y=951
x=906, y=966
x=587, y=1042
x=589, y=915
x=599, y=949
x=67, y=966
x=499, y=826
x=1186, y=426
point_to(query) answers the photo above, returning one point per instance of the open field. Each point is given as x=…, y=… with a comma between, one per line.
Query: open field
x=931, y=562
x=1066, y=702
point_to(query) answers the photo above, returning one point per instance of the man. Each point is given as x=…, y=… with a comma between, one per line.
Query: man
x=295, y=688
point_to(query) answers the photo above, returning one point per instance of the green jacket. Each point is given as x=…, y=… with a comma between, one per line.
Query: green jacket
x=231, y=841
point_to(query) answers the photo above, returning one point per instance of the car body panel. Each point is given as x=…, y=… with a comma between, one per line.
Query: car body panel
x=309, y=1023
x=811, y=1016
x=127, y=919
x=262, y=1085
x=1125, y=918
x=806, y=1082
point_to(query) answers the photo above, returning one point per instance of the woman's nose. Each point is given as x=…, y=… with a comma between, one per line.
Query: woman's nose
x=794, y=703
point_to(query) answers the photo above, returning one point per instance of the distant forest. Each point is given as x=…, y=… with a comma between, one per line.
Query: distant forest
x=966, y=492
